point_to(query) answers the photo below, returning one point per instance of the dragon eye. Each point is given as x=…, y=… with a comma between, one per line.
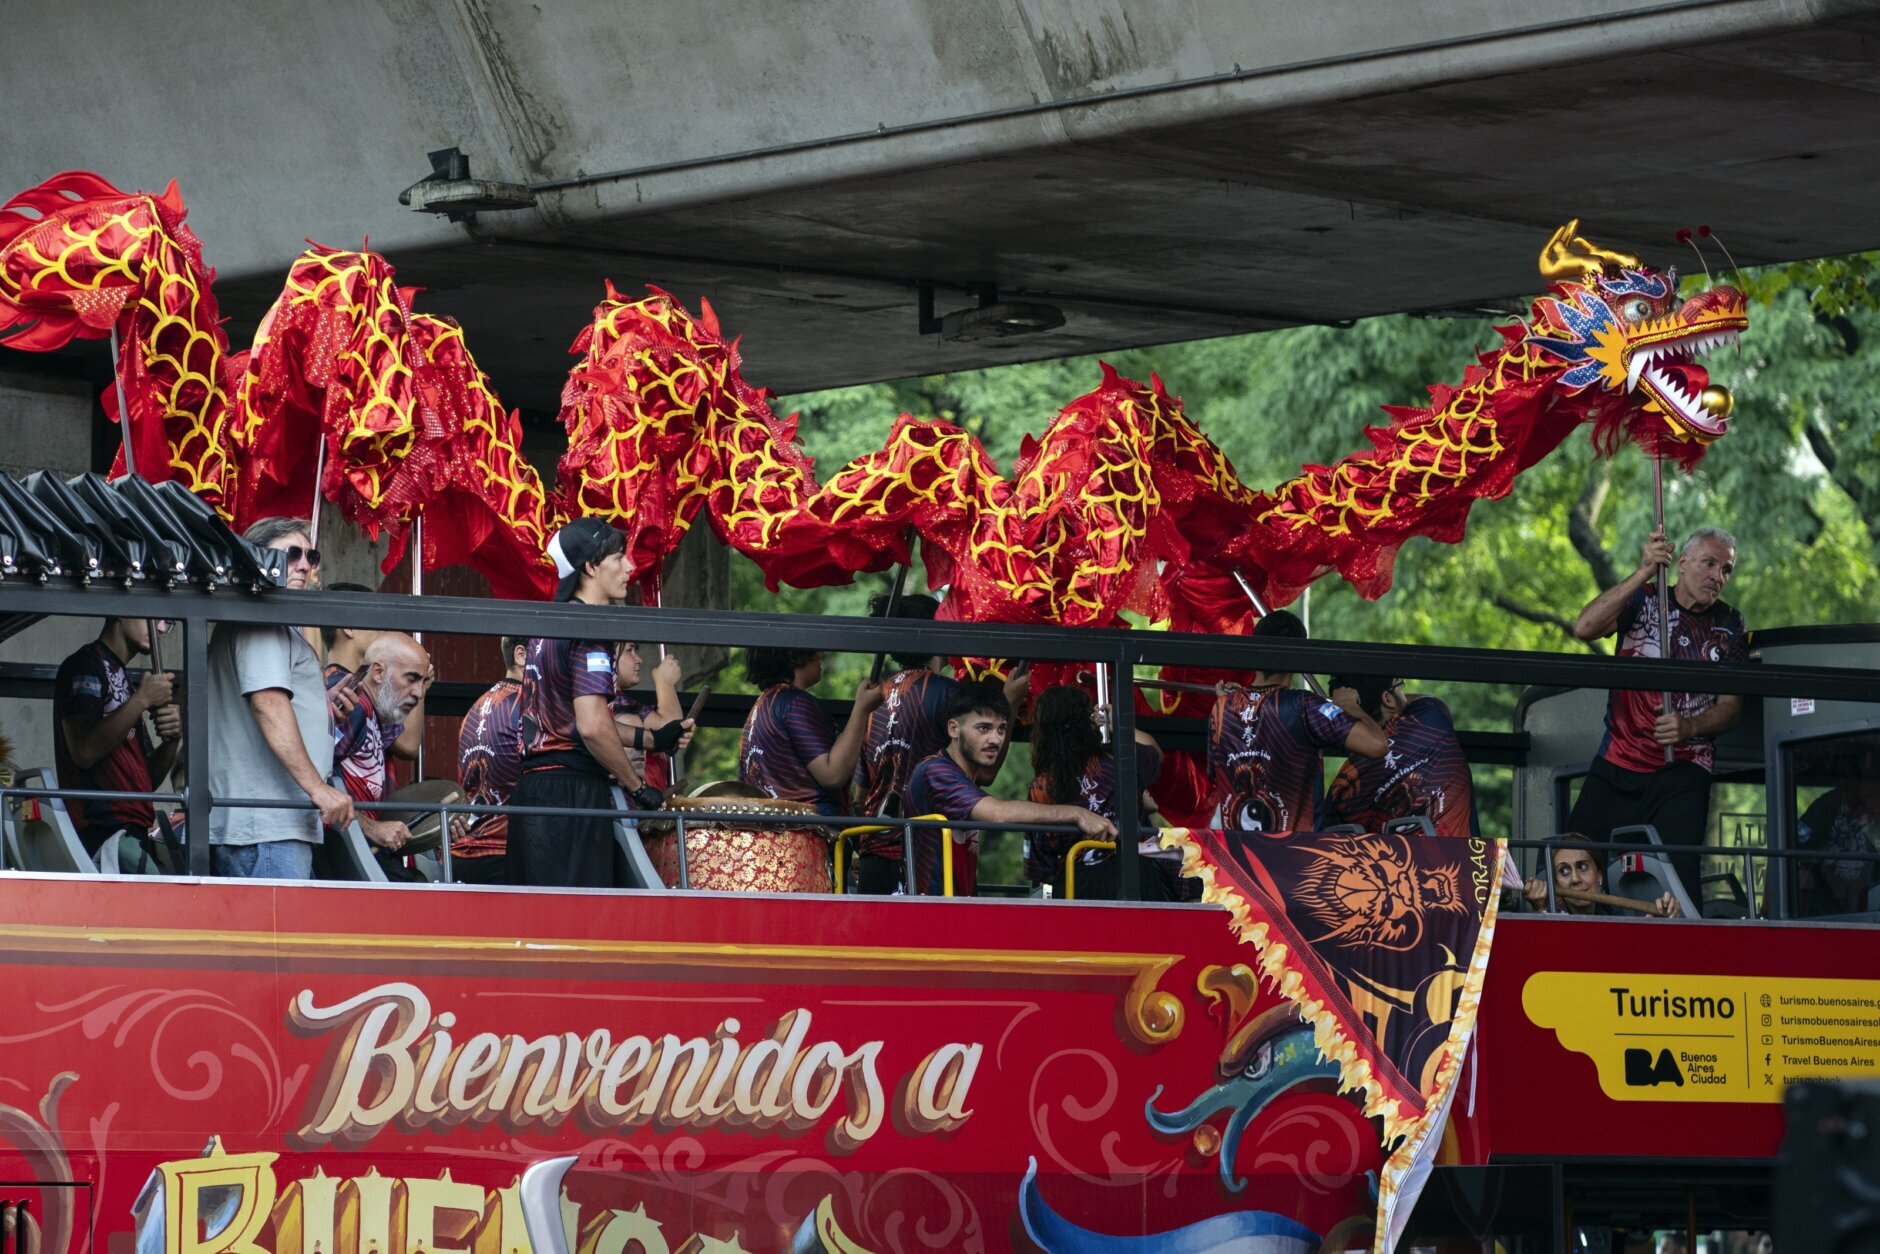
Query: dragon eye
x=1635, y=310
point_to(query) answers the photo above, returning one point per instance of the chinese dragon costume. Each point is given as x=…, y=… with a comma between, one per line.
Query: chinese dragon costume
x=1122, y=504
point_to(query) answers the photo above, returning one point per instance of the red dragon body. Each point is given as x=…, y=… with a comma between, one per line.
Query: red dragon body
x=1120, y=505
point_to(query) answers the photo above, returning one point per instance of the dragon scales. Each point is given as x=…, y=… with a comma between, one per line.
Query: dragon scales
x=1122, y=504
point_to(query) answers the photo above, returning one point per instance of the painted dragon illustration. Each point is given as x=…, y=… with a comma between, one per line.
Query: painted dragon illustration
x=1121, y=505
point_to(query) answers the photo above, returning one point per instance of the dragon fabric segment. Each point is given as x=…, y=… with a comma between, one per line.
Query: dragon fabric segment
x=1121, y=506
x=1381, y=943
x=78, y=257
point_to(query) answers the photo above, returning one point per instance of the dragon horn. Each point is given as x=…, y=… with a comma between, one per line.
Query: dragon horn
x=1569, y=255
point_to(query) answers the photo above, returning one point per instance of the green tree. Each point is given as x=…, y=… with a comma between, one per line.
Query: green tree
x=1797, y=478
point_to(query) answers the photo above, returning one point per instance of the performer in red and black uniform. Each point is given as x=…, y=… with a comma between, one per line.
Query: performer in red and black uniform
x=953, y=783
x=102, y=742
x=651, y=732
x=489, y=764
x=909, y=725
x=1423, y=772
x=1074, y=767
x=571, y=751
x=790, y=748
x=1630, y=782
x=1266, y=744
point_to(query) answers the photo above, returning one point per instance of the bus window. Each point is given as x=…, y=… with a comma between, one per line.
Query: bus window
x=1835, y=807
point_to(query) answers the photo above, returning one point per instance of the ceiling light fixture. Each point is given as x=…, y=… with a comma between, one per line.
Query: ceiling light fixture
x=448, y=189
x=990, y=319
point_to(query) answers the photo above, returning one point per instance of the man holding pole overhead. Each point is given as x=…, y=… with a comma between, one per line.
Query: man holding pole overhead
x=1654, y=764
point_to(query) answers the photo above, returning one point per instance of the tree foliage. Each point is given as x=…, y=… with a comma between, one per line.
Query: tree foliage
x=1797, y=478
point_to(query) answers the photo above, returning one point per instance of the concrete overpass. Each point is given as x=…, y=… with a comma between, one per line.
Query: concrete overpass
x=1157, y=171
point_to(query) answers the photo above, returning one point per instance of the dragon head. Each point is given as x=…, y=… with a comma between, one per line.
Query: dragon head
x=1618, y=325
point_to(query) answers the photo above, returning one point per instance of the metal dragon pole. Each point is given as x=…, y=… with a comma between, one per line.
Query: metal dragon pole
x=1259, y=606
x=894, y=604
x=1103, y=700
x=677, y=755
x=417, y=590
x=1664, y=597
x=319, y=469
x=130, y=467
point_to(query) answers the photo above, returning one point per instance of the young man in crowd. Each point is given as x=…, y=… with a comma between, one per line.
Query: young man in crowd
x=1633, y=780
x=571, y=747
x=392, y=683
x=1423, y=772
x=489, y=763
x=909, y=725
x=1577, y=868
x=1266, y=744
x=651, y=732
x=101, y=740
x=953, y=783
x=271, y=733
x=790, y=748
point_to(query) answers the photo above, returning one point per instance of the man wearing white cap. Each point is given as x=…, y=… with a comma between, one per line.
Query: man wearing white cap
x=571, y=751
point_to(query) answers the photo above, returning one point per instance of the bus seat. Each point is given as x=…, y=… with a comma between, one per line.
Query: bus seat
x=1732, y=904
x=50, y=842
x=1652, y=877
x=640, y=872
x=348, y=850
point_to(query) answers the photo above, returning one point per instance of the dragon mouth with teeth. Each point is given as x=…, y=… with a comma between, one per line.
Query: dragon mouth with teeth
x=1666, y=375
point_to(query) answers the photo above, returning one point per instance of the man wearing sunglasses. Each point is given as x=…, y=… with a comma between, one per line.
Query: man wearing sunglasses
x=103, y=742
x=272, y=733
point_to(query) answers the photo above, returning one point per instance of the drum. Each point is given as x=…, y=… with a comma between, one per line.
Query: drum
x=727, y=852
x=426, y=825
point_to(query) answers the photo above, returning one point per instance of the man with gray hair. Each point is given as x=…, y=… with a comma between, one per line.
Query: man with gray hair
x=270, y=733
x=1631, y=782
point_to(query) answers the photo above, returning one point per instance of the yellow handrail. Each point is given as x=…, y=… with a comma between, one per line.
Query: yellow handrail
x=1070, y=863
x=842, y=848
x=946, y=848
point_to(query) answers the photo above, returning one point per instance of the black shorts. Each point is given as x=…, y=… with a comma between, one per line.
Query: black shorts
x=876, y=876
x=565, y=850
x=1675, y=799
x=1157, y=876
x=490, y=868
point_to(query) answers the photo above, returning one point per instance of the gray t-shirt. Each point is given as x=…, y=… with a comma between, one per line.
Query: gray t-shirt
x=244, y=660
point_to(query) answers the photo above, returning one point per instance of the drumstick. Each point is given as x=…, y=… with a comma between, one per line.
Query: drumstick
x=1607, y=899
x=678, y=755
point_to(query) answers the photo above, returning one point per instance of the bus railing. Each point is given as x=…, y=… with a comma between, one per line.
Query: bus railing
x=847, y=825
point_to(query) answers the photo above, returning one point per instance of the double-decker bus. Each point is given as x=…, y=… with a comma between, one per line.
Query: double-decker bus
x=196, y=1065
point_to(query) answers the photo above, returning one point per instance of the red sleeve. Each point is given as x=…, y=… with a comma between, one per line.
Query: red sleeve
x=1183, y=791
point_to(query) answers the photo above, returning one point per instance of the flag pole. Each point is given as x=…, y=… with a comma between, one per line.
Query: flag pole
x=894, y=604
x=1259, y=606
x=1664, y=596
x=130, y=467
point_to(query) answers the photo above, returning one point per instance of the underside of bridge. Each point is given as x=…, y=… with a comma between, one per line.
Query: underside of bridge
x=1156, y=173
